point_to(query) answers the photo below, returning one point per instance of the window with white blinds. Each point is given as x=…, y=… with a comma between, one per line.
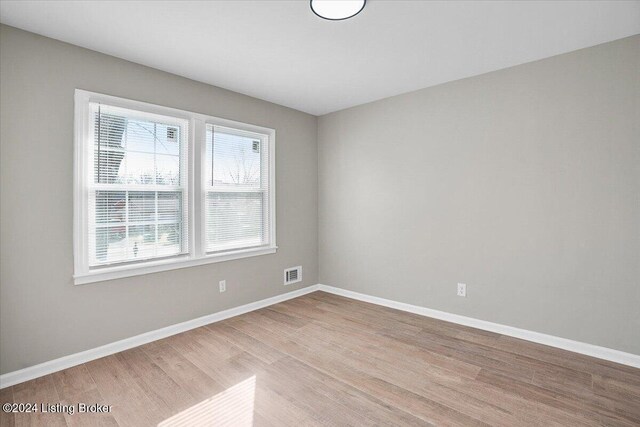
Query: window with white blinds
x=139, y=206
x=138, y=195
x=237, y=189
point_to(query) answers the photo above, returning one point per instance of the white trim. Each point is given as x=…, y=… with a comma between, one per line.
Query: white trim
x=264, y=135
x=81, y=105
x=194, y=191
x=82, y=174
x=191, y=185
x=155, y=266
x=26, y=374
x=599, y=352
x=201, y=188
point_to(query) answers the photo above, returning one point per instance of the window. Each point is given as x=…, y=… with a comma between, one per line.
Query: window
x=237, y=189
x=140, y=208
x=138, y=188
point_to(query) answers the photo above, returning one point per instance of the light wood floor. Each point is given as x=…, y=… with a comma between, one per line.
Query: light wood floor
x=326, y=360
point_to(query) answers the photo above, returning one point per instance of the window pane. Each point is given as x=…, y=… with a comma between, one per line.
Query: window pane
x=142, y=206
x=234, y=220
x=110, y=244
x=109, y=147
x=109, y=166
x=110, y=130
x=162, y=210
x=141, y=136
x=233, y=160
x=141, y=241
x=110, y=207
x=168, y=138
x=128, y=219
x=169, y=239
x=169, y=206
x=139, y=169
x=167, y=170
x=133, y=151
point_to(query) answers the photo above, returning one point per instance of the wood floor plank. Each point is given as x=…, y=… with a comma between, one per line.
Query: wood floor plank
x=323, y=359
x=368, y=410
x=278, y=410
x=349, y=368
x=178, y=366
x=74, y=386
x=7, y=418
x=294, y=322
x=365, y=384
x=40, y=391
x=466, y=354
x=89, y=419
x=386, y=414
x=575, y=387
x=299, y=388
x=572, y=406
x=131, y=406
x=628, y=391
x=216, y=344
x=365, y=318
x=564, y=358
x=247, y=343
x=154, y=382
x=73, y=381
x=424, y=381
x=384, y=348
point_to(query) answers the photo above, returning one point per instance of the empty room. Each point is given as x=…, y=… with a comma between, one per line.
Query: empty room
x=319, y=213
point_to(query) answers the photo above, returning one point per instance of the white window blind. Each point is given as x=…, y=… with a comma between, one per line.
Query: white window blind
x=137, y=201
x=237, y=199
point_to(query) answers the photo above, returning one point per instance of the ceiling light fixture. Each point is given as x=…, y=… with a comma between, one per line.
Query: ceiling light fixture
x=337, y=10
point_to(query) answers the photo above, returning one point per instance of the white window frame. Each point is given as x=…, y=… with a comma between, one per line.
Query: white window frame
x=196, y=192
x=264, y=135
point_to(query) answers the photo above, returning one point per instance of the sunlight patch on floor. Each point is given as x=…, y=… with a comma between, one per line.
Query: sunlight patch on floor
x=232, y=407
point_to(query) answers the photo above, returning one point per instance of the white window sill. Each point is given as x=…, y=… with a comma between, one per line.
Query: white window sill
x=110, y=273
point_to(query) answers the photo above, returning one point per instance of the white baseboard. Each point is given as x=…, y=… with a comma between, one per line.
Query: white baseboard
x=26, y=374
x=537, y=337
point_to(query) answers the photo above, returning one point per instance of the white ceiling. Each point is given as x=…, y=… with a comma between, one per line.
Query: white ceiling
x=281, y=52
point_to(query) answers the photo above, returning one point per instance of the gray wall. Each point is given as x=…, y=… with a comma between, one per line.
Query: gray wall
x=522, y=183
x=42, y=314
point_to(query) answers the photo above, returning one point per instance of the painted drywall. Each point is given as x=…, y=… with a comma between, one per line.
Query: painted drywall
x=42, y=314
x=523, y=183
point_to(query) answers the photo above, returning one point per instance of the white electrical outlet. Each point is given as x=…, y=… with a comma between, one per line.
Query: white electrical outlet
x=223, y=285
x=462, y=290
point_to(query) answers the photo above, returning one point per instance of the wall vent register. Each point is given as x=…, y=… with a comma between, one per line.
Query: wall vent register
x=292, y=275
